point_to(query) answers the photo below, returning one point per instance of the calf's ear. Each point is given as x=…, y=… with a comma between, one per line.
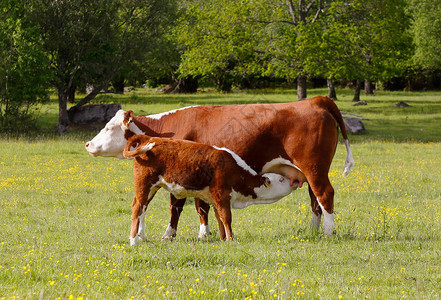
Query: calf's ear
x=267, y=182
x=137, y=145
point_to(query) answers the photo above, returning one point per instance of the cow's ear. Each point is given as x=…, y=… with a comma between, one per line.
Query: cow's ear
x=128, y=117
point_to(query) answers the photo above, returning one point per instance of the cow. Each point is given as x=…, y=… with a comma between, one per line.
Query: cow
x=188, y=169
x=284, y=138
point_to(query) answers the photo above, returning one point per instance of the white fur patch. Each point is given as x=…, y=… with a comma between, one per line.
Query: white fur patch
x=204, y=231
x=315, y=221
x=147, y=147
x=135, y=129
x=169, y=233
x=160, y=115
x=240, y=162
x=278, y=188
x=141, y=227
x=328, y=220
x=180, y=192
x=349, y=163
x=134, y=241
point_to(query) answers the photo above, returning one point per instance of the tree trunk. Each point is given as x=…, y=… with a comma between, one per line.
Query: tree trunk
x=331, y=89
x=118, y=85
x=357, y=91
x=71, y=94
x=63, y=118
x=368, y=87
x=301, y=87
x=186, y=85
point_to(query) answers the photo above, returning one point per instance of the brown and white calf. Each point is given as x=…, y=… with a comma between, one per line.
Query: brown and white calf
x=188, y=169
x=282, y=138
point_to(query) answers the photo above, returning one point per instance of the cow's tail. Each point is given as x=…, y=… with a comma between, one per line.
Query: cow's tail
x=333, y=109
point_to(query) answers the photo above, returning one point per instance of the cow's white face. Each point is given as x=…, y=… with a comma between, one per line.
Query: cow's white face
x=110, y=141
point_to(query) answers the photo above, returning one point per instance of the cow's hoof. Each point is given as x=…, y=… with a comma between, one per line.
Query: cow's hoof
x=134, y=241
x=204, y=231
x=167, y=238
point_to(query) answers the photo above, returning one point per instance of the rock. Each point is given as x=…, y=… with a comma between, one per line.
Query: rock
x=362, y=102
x=354, y=125
x=402, y=104
x=101, y=113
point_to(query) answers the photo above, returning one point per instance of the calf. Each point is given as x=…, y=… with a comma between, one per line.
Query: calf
x=188, y=169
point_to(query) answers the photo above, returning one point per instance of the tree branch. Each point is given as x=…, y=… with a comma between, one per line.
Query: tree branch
x=291, y=12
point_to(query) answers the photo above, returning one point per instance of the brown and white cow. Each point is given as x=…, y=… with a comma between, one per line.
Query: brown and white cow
x=188, y=169
x=282, y=138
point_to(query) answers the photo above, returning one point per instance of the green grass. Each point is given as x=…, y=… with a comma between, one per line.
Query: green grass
x=65, y=218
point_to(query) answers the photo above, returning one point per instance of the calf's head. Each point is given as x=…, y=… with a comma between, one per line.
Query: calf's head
x=111, y=140
x=137, y=145
x=275, y=187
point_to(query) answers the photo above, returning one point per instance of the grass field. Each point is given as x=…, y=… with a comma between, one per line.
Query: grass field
x=65, y=217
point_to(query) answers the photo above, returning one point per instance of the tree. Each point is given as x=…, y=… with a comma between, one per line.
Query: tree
x=95, y=42
x=218, y=41
x=362, y=40
x=23, y=74
x=426, y=30
x=288, y=23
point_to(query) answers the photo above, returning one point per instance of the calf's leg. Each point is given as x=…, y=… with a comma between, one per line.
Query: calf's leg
x=137, y=229
x=143, y=196
x=223, y=209
x=202, y=208
x=220, y=224
x=176, y=207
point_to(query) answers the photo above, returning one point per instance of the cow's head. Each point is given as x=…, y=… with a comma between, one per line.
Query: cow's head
x=111, y=140
x=275, y=187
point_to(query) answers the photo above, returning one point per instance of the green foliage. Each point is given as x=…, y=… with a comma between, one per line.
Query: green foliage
x=218, y=41
x=367, y=39
x=336, y=39
x=23, y=67
x=426, y=28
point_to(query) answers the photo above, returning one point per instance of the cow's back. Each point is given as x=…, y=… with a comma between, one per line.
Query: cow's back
x=261, y=132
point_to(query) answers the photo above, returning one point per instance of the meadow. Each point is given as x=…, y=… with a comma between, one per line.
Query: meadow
x=65, y=216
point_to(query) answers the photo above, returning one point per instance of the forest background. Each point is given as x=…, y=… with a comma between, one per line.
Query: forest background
x=79, y=47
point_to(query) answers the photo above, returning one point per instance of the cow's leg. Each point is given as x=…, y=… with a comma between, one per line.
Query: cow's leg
x=316, y=211
x=202, y=208
x=176, y=207
x=324, y=193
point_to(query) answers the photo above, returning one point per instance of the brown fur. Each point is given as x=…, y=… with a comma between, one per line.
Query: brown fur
x=303, y=132
x=193, y=166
